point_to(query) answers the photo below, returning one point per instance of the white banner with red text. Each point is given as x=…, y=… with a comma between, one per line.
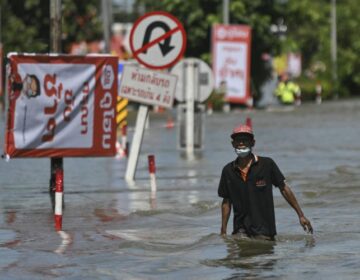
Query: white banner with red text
x=231, y=45
x=61, y=105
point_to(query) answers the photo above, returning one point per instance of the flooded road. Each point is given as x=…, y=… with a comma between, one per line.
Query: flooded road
x=113, y=230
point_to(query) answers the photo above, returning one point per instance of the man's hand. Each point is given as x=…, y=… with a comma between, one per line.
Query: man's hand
x=305, y=223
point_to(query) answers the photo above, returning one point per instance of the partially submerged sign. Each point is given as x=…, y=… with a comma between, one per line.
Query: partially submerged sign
x=147, y=86
x=61, y=106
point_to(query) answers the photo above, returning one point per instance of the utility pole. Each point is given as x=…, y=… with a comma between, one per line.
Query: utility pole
x=107, y=21
x=226, y=11
x=334, y=49
x=226, y=20
x=55, y=47
x=55, y=26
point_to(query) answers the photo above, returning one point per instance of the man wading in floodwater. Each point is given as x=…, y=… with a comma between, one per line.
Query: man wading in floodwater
x=246, y=185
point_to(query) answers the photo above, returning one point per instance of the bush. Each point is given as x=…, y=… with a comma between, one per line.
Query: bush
x=308, y=88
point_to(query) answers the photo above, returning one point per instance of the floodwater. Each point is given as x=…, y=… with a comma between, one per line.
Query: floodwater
x=112, y=230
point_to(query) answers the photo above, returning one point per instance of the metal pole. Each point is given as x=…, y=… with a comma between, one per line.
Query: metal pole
x=190, y=95
x=106, y=23
x=334, y=48
x=226, y=11
x=226, y=20
x=55, y=47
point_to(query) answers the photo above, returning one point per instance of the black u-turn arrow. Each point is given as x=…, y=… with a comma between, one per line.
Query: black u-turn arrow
x=164, y=47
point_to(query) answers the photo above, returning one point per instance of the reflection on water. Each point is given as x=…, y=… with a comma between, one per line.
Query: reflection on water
x=247, y=254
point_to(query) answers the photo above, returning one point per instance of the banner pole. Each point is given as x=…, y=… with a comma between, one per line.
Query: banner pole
x=55, y=47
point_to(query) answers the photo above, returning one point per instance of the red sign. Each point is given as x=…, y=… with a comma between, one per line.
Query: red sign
x=231, y=61
x=61, y=106
x=157, y=40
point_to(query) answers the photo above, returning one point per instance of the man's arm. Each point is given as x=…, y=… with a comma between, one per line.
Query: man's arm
x=291, y=199
x=225, y=214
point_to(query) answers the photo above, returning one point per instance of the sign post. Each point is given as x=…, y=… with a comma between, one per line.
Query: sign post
x=190, y=104
x=157, y=41
x=146, y=87
x=136, y=143
x=194, y=86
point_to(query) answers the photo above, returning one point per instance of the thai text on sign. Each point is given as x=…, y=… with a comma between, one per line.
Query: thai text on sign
x=231, y=61
x=147, y=86
x=53, y=101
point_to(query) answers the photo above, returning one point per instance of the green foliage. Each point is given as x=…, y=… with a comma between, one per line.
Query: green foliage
x=25, y=25
x=308, y=88
x=81, y=22
x=309, y=30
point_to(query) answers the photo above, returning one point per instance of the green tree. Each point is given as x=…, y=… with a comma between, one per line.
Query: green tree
x=348, y=46
x=81, y=22
x=26, y=24
x=309, y=32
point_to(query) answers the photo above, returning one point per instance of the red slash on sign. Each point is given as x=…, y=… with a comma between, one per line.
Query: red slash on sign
x=162, y=29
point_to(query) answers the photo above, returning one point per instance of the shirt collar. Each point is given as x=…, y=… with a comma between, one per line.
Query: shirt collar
x=255, y=160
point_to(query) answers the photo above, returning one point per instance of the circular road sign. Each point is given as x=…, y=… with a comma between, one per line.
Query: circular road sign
x=157, y=40
x=205, y=79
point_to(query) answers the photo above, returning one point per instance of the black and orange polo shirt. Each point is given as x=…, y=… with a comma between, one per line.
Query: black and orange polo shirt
x=252, y=199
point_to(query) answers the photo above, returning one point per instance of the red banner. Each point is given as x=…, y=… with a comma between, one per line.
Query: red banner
x=61, y=106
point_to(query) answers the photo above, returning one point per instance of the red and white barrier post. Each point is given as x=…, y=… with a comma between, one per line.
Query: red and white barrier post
x=152, y=171
x=318, y=90
x=169, y=123
x=248, y=122
x=124, y=140
x=59, y=185
x=210, y=108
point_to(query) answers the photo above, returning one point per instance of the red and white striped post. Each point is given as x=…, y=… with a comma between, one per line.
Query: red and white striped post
x=152, y=171
x=124, y=140
x=249, y=122
x=59, y=177
x=170, y=123
x=318, y=90
x=210, y=108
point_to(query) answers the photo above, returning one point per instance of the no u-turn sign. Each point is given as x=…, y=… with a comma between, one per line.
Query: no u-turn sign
x=157, y=40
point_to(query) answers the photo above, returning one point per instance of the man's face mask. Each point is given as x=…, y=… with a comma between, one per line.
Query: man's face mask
x=242, y=145
x=243, y=152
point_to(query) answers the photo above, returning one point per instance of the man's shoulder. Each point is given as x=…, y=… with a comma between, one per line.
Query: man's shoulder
x=265, y=160
x=229, y=166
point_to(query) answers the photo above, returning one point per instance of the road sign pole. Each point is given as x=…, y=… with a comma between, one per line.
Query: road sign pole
x=136, y=143
x=190, y=94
